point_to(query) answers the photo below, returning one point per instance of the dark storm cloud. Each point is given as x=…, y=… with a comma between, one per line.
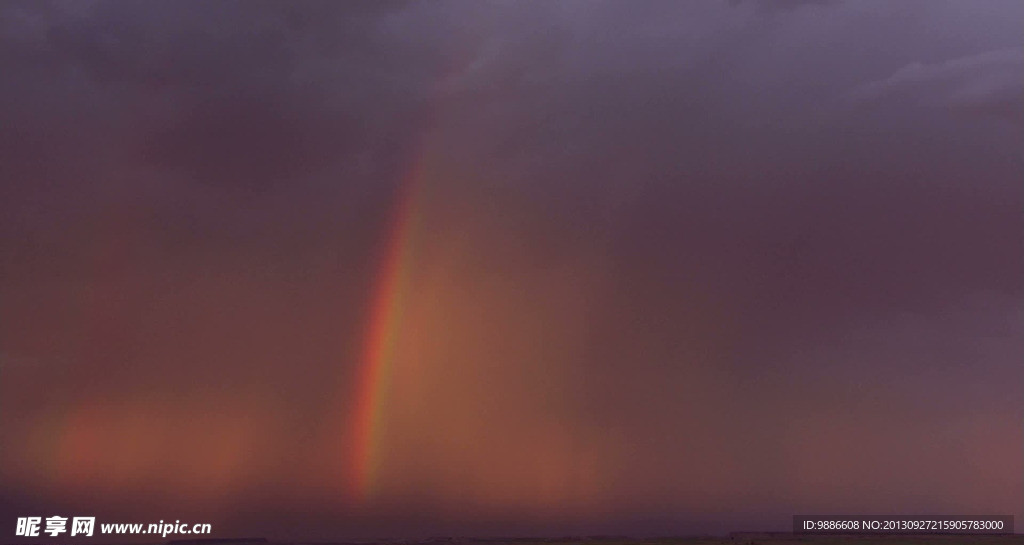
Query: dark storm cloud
x=689, y=240
x=700, y=168
x=254, y=98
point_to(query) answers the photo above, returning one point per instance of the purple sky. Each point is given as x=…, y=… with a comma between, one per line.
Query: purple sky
x=678, y=266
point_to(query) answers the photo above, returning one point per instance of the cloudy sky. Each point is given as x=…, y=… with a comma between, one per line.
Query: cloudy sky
x=318, y=270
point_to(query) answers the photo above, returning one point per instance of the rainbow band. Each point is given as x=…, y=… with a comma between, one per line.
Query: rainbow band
x=374, y=378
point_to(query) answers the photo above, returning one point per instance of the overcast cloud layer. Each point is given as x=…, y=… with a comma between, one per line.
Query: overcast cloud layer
x=679, y=266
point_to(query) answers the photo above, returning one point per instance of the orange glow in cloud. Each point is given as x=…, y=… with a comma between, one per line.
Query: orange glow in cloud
x=480, y=406
x=206, y=451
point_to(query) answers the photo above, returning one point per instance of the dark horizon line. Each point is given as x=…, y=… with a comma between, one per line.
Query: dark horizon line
x=571, y=538
x=733, y=535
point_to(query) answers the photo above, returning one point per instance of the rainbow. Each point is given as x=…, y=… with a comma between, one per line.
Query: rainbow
x=373, y=380
x=389, y=298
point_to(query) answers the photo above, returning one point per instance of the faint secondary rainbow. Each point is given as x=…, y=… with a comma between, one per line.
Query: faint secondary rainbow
x=373, y=381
